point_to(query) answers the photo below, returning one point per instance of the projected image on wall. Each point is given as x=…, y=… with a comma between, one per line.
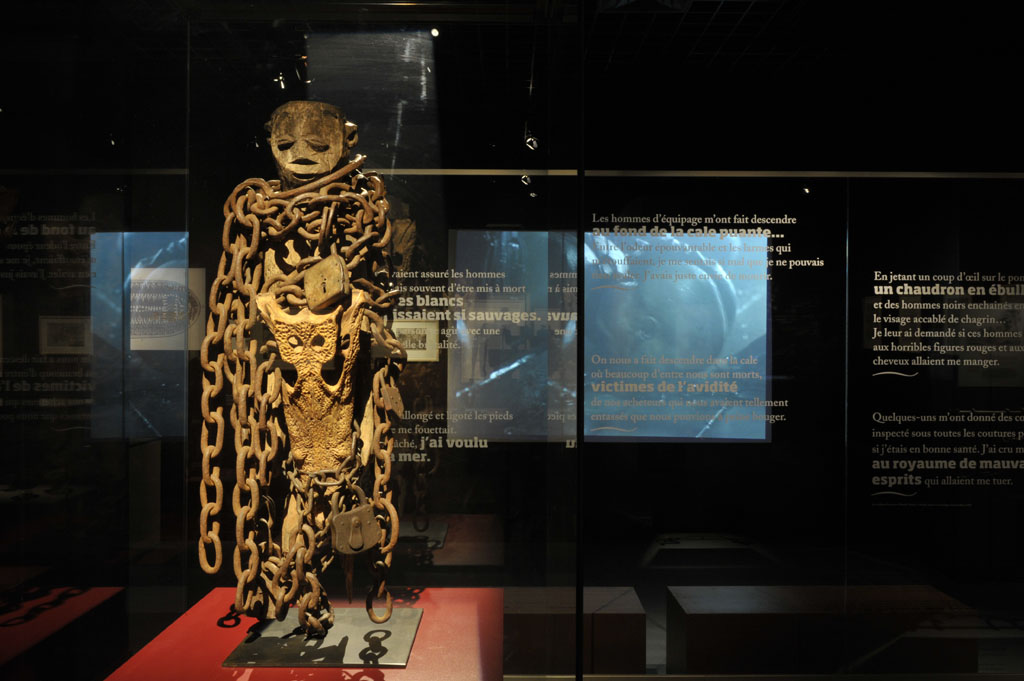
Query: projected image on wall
x=675, y=336
x=512, y=354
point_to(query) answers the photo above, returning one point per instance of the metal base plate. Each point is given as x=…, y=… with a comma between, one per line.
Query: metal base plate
x=353, y=641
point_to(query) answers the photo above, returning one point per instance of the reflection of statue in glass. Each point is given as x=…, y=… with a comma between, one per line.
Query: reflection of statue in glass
x=305, y=259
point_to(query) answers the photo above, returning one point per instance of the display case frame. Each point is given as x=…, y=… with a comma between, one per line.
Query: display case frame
x=798, y=528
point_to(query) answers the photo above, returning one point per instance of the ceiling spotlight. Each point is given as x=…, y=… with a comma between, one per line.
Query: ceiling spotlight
x=434, y=32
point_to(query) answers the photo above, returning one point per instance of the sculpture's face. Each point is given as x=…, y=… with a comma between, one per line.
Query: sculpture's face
x=308, y=140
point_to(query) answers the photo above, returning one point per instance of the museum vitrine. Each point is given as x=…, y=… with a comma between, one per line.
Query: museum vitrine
x=386, y=341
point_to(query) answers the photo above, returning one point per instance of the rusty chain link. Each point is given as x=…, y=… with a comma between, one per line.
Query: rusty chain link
x=270, y=238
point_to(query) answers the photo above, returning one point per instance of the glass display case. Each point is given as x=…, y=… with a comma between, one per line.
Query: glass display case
x=709, y=324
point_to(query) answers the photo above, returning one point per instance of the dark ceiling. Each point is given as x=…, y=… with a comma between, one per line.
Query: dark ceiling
x=670, y=84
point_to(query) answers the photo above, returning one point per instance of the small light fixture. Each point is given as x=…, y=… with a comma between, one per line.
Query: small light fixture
x=434, y=32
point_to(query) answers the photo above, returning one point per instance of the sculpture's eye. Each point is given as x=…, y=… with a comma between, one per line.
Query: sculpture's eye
x=295, y=341
x=285, y=145
x=318, y=146
x=318, y=341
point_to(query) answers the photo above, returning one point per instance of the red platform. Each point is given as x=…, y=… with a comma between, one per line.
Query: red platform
x=459, y=638
x=36, y=620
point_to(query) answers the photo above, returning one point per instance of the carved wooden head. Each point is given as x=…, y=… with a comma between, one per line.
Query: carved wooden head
x=309, y=140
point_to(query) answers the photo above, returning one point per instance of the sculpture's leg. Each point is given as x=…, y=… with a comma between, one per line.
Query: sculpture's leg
x=349, y=563
x=310, y=555
x=291, y=525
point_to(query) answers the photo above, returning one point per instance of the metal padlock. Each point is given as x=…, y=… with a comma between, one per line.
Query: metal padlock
x=326, y=282
x=392, y=399
x=355, y=530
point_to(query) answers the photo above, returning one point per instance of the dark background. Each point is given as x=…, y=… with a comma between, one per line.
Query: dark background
x=155, y=111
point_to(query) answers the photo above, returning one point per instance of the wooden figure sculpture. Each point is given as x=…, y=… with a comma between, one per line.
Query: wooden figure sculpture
x=305, y=257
